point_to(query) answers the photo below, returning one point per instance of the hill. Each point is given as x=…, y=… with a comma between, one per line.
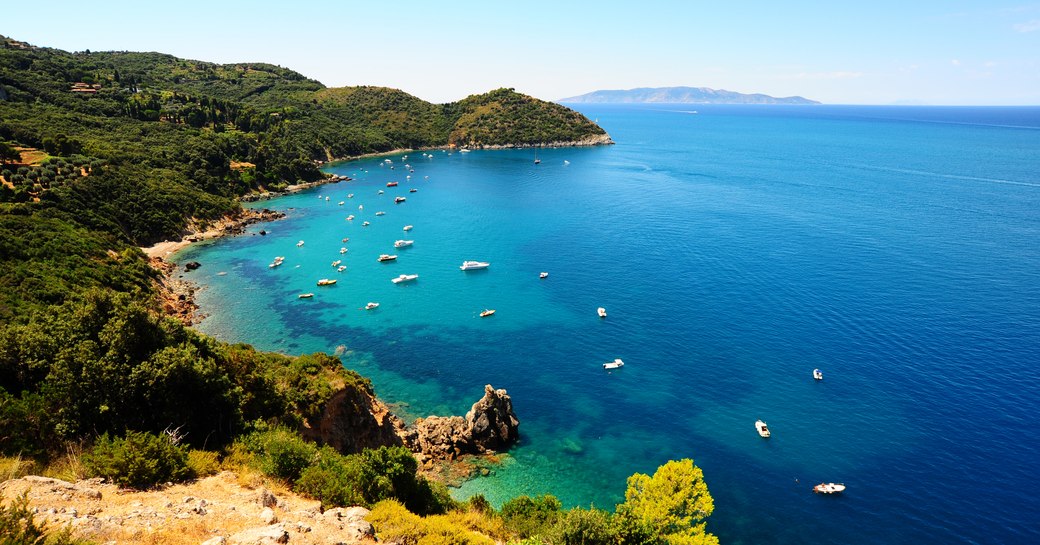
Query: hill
x=680, y=95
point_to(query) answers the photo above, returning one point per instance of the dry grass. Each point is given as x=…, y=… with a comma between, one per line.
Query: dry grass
x=67, y=467
x=15, y=467
x=241, y=165
x=31, y=156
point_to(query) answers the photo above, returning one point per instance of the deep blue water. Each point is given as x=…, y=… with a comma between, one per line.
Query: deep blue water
x=735, y=249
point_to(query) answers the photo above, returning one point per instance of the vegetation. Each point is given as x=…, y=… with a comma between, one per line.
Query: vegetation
x=131, y=148
x=18, y=526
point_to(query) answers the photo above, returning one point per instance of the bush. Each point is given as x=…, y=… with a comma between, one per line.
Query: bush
x=582, y=527
x=140, y=460
x=336, y=480
x=203, y=463
x=527, y=516
x=394, y=523
x=281, y=452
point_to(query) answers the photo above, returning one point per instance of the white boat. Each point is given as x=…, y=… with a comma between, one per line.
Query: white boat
x=365, y=224
x=350, y=217
x=298, y=244
x=387, y=257
x=341, y=268
x=487, y=312
x=763, y=430
x=404, y=278
x=616, y=364
x=350, y=196
x=829, y=488
x=305, y=295
x=602, y=312
x=337, y=262
x=371, y=306
x=473, y=265
x=408, y=227
x=817, y=374
x=342, y=250
x=326, y=282
x=341, y=203
x=403, y=243
x=380, y=192
x=543, y=275
x=380, y=213
x=399, y=200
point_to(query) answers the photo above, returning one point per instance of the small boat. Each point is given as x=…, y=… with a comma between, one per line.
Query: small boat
x=537, y=161
x=763, y=430
x=350, y=195
x=345, y=239
x=543, y=275
x=829, y=488
x=274, y=264
x=817, y=374
x=305, y=295
x=387, y=257
x=473, y=265
x=463, y=150
x=602, y=312
x=380, y=213
x=403, y=243
x=371, y=306
x=341, y=203
x=399, y=200
x=326, y=199
x=365, y=224
x=487, y=312
x=408, y=227
x=350, y=217
x=298, y=244
x=326, y=282
x=412, y=190
x=380, y=192
x=341, y=268
x=391, y=184
x=404, y=278
x=337, y=262
x=360, y=207
x=342, y=250
x=616, y=364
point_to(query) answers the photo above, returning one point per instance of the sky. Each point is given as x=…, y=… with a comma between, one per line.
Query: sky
x=939, y=52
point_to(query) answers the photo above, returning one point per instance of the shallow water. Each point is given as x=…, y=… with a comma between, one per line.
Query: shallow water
x=735, y=249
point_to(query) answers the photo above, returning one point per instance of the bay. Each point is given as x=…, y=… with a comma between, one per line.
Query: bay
x=735, y=248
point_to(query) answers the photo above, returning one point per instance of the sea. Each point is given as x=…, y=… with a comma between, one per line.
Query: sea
x=735, y=248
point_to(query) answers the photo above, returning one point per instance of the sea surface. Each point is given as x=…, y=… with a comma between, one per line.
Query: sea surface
x=735, y=249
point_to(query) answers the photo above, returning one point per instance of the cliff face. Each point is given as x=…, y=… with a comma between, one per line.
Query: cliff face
x=354, y=420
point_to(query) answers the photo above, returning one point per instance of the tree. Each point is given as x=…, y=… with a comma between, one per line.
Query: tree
x=8, y=154
x=668, y=508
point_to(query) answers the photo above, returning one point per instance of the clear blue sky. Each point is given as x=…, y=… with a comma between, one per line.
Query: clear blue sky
x=867, y=52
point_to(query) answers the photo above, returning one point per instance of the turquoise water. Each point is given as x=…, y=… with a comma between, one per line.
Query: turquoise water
x=735, y=249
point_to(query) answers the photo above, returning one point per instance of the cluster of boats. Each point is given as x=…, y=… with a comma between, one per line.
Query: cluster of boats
x=822, y=488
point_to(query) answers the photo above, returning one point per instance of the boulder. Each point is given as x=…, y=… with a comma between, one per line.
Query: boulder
x=276, y=533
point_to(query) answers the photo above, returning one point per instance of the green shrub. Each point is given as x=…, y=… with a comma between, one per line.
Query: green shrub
x=140, y=460
x=527, y=516
x=336, y=480
x=394, y=523
x=203, y=463
x=281, y=452
x=582, y=527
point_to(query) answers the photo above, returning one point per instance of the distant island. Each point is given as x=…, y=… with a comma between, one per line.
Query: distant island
x=680, y=95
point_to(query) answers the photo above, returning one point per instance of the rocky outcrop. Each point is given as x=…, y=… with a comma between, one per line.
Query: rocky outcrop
x=354, y=420
x=591, y=140
x=489, y=426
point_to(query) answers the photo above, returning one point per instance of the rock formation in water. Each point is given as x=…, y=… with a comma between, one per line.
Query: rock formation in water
x=490, y=425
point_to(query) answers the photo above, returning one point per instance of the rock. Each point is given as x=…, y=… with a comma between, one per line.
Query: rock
x=267, y=498
x=263, y=233
x=192, y=265
x=268, y=516
x=353, y=420
x=276, y=533
x=490, y=425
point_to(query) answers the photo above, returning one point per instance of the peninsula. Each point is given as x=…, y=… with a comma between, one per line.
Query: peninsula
x=681, y=95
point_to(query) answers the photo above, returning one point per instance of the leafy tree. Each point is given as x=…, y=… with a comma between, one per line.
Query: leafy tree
x=140, y=460
x=668, y=508
x=8, y=153
x=526, y=516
